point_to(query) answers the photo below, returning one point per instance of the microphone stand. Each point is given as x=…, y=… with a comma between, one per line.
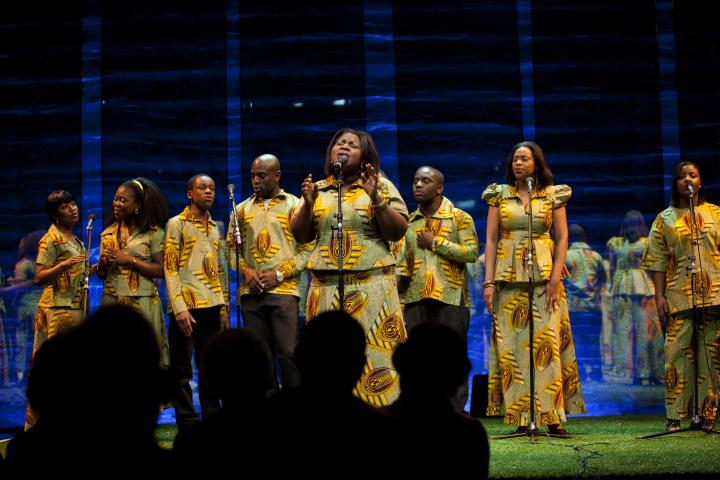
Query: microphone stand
x=696, y=423
x=338, y=232
x=85, y=304
x=532, y=429
x=236, y=233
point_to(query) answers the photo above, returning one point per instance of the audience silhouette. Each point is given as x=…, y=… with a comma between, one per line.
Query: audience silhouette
x=105, y=371
x=432, y=364
x=237, y=365
x=324, y=429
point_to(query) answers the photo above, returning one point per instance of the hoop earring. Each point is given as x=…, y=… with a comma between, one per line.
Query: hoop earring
x=137, y=210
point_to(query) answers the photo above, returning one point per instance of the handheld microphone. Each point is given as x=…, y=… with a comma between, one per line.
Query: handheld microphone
x=690, y=189
x=91, y=220
x=529, y=181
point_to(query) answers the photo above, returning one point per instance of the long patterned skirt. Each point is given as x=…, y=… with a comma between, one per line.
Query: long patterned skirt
x=637, y=341
x=680, y=364
x=557, y=383
x=151, y=309
x=371, y=298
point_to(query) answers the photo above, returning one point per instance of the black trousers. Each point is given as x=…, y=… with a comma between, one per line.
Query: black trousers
x=181, y=351
x=455, y=317
x=274, y=317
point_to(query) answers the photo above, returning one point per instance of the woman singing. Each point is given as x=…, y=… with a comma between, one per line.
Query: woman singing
x=374, y=215
x=669, y=258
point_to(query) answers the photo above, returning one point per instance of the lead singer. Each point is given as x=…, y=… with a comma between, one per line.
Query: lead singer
x=557, y=384
x=668, y=258
x=374, y=215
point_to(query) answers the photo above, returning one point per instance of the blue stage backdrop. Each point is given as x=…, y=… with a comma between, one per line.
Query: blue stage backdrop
x=95, y=93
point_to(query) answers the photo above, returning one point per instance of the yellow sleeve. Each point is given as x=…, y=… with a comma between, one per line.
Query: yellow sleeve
x=493, y=194
x=657, y=253
x=173, y=234
x=561, y=195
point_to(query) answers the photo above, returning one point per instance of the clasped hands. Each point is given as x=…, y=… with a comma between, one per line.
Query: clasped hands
x=260, y=281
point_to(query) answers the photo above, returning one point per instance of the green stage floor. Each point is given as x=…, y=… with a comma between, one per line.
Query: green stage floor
x=605, y=447
x=601, y=447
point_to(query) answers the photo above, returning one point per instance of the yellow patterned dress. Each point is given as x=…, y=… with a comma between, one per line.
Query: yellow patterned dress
x=637, y=342
x=59, y=307
x=669, y=251
x=371, y=295
x=127, y=286
x=557, y=384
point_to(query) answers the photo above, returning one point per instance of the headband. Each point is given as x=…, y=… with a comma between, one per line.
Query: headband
x=142, y=190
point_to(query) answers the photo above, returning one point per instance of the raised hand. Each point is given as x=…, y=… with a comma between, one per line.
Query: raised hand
x=309, y=190
x=370, y=182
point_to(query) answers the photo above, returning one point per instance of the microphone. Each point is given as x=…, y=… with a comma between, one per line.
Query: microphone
x=233, y=215
x=91, y=220
x=337, y=166
x=529, y=181
x=690, y=189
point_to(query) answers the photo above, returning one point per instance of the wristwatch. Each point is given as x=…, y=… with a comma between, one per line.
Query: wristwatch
x=279, y=276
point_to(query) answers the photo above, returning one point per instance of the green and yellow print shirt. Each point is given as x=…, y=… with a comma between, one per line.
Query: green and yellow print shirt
x=584, y=282
x=124, y=281
x=513, y=241
x=66, y=290
x=440, y=273
x=669, y=251
x=266, y=241
x=628, y=278
x=195, y=264
x=364, y=248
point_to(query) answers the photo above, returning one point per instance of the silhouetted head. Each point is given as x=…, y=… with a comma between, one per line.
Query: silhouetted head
x=330, y=353
x=432, y=362
x=237, y=366
x=28, y=247
x=50, y=367
x=633, y=226
x=576, y=233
